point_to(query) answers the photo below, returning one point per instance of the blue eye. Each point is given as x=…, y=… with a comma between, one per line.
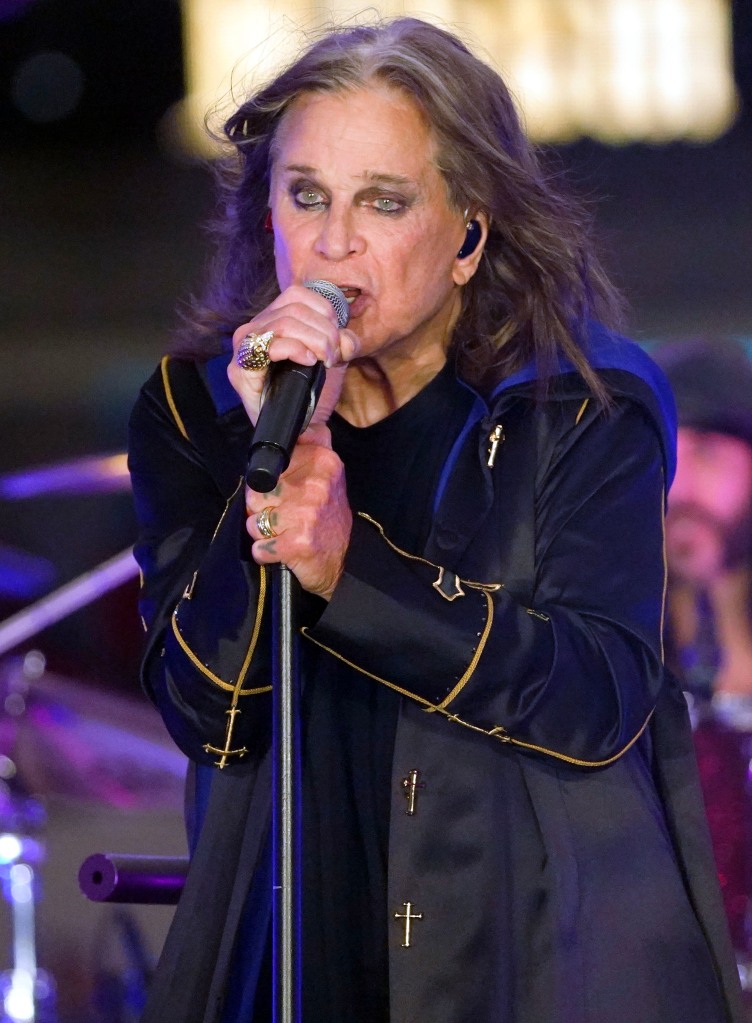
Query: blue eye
x=386, y=205
x=308, y=198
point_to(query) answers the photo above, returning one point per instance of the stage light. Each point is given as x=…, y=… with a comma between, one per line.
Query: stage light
x=618, y=70
x=11, y=848
x=19, y=1000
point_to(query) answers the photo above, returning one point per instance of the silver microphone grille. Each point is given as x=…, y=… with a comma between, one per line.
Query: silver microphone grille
x=333, y=294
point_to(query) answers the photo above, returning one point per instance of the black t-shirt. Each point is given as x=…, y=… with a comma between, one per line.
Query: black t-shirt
x=349, y=721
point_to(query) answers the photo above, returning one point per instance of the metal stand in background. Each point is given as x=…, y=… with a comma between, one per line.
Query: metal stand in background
x=26, y=992
x=67, y=599
x=286, y=802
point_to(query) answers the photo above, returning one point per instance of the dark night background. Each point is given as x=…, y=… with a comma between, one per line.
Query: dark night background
x=101, y=235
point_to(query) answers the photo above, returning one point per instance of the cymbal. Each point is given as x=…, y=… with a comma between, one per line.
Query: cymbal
x=71, y=739
x=95, y=474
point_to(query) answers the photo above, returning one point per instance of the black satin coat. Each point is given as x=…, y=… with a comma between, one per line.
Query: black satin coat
x=558, y=854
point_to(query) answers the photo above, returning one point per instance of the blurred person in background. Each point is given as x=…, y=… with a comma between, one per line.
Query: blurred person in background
x=709, y=635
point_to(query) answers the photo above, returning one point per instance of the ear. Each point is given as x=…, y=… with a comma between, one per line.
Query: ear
x=469, y=256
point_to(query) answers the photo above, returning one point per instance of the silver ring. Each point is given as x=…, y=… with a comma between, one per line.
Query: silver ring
x=264, y=525
x=253, y=351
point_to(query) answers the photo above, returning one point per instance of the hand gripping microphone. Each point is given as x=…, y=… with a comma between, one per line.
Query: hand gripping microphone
x=290, y=395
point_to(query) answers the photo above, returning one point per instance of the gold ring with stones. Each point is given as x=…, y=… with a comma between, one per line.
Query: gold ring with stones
x=264, y=525
x=253, y=351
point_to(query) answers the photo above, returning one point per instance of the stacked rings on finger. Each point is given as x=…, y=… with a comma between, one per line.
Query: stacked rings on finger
x=264, y=524
x=253, y=351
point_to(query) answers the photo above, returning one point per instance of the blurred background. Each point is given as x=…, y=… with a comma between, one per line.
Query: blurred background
x=645, y=106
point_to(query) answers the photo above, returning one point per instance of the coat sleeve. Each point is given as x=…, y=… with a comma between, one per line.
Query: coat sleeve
x=576, y=675
x=203, y=599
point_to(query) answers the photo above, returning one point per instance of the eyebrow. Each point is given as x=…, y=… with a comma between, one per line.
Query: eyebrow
x=393, y=180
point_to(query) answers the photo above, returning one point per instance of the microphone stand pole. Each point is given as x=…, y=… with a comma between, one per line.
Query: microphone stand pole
x=286, y=803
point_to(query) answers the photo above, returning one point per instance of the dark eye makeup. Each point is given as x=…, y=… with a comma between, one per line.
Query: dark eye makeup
x=308, y=196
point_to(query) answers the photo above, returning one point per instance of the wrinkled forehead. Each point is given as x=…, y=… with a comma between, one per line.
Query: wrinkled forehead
x=305, y=111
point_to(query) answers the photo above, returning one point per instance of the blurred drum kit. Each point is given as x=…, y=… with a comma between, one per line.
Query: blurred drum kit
x=62, y=738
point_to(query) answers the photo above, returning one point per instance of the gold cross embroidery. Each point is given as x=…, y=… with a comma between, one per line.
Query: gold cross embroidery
x=411, y=786
x=408, y=916
x=495, y=438
x=223, y=754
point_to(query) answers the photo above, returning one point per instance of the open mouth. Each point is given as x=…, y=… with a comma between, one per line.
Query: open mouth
x=351, y=294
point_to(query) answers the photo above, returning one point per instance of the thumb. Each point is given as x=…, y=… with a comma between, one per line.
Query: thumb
x=349, y=345
x=317, y=433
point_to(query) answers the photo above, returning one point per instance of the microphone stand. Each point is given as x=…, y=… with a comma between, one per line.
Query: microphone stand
x=290, y=388
x=290, y=396
x=286, y=804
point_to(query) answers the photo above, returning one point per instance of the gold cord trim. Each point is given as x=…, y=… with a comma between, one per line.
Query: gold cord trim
x=498, y=732
x=227, y=508
x=227, y=751
x=228, y=686
x=237, y=688
x=491, y=587
x=254, y=634
x=368, y=674
x=580, y=414
x=188, y=591
x=474, y=662
x=170, y=398
x=502, y=735
x=429, y=707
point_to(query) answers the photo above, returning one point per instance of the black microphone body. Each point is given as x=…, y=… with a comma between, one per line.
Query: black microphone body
x=290, y=396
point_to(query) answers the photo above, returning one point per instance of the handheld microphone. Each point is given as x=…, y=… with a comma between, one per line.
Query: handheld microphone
x=290, y=395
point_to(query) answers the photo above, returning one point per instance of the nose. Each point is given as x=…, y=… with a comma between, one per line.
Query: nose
x=338, y=236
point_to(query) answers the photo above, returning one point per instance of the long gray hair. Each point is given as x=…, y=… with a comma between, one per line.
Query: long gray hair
x=538, y=281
